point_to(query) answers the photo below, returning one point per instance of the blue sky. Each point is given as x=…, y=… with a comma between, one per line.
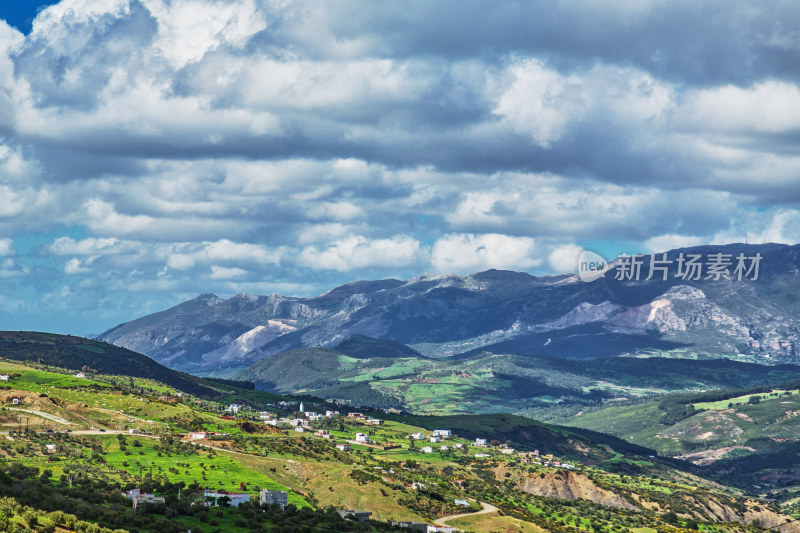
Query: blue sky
x=152, y=150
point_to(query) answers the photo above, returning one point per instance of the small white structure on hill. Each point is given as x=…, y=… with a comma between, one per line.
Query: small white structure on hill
x=361, y=437
x=443, y=433
x=275, y=497
x=235, y=499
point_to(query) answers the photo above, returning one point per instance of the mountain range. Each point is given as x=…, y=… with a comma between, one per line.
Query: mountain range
x=502, y=312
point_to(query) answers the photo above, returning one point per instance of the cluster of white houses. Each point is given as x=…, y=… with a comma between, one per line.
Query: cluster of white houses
x=216, y=498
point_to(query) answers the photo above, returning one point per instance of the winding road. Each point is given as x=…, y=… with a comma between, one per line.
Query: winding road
x=486, y=509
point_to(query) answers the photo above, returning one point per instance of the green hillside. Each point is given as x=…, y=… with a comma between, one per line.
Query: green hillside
x=73, y=444
x=78, y=353
x=492, y=383
x=748, y=437
x=364, y=347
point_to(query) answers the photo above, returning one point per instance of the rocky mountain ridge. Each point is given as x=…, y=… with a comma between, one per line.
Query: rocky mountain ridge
x=499, y=311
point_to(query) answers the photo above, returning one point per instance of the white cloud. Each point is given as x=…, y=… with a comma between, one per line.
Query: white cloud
x=766, y=107
x=540, y=102
x=665, y=243
x=79, y=265
x=564, y=258
x=88, y=246
x=462, y=253
x=188, y=255
x=218, y=272
x=7, y=247
x=357, y=252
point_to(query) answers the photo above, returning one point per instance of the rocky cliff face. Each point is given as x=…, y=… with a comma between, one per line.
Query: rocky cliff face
x=571, y=486
x=498, y=311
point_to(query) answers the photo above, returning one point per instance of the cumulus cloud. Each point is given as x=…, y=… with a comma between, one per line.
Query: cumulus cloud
x=356, y=252
x=470, y=253
x=200, y=145
x=564, y=258
x=7, y=247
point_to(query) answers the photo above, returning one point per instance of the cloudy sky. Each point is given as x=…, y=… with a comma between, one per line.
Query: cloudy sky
x=152, y=150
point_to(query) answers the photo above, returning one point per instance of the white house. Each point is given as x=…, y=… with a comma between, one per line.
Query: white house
x=361, y=437
x=4, y=377
x=418, y=436
x=458, y=445
x=275, y=497
x=51, y=448
x=234, y=408
x=481, y=455
x=444, y=433
x=213, y=497
x=199, y=435
x=443, y=449
x=435, y=439
x=142, y=497
x=343, y=447
x=375, y=421
x=427, y=449
x=506, y=451
x=265, y=415
x=15, y=401
x=300, y=429
x=80, y=375
x=480, y=442
x=331, y=414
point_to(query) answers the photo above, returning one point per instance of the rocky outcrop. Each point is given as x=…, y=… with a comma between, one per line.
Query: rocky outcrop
x=571, y=486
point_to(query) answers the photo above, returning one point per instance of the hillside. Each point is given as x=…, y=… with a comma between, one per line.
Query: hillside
x=78, y=353
x=74, y=444
x=491, y=383
x=498, y=311
x=747, y=436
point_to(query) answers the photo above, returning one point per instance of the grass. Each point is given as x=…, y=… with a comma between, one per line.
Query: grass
x=494, y=523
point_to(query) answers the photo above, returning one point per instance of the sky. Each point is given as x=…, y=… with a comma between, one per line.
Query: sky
x=153, y=150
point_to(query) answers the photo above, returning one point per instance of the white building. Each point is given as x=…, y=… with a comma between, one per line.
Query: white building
x=480, y=442
x=361, y=437
x=198, y=435
x=275, y=497
x=265, y=415
x=235, y=499
x=418, y=436
x=4, y=377
x=443, y=433
x=142, y=497
x=234, y=408
x=343, y=447
x=435, y=439
x=80, y=375
x=427, y=449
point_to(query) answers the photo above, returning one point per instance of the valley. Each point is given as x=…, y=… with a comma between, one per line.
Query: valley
x=68, y=439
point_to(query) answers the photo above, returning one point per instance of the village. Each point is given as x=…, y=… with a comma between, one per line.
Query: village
x=355, y=432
